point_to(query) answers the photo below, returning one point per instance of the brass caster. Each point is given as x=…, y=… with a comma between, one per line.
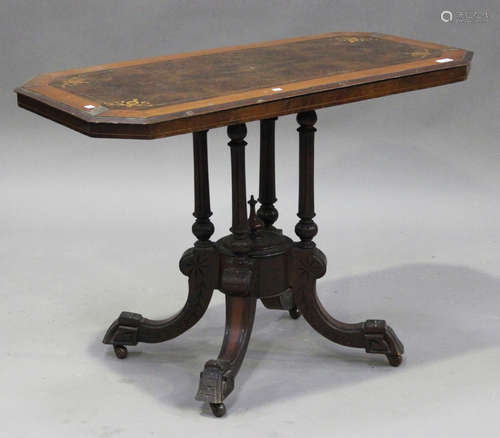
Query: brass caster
x=218, y=409
x=121, y=351
x=394, y=359
x=294, y=313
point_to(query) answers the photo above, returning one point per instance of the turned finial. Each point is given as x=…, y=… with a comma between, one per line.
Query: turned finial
x=254, y=222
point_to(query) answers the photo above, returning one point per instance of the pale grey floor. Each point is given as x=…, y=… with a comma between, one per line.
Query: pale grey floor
x=411, y=234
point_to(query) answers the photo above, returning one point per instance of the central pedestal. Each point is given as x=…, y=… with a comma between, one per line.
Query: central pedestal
x=256, y=261
x=267, y=264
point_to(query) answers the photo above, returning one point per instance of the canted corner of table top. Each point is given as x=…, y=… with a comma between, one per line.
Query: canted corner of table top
x=177, y=94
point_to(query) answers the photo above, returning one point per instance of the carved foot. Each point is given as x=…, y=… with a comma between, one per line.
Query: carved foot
x=216, y=382
x=381, y=339
x=124, y=330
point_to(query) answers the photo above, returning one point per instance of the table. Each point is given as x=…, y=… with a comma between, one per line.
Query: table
x=194, y=92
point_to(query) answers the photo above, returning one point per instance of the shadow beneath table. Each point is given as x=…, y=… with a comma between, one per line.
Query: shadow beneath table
x=438, y=311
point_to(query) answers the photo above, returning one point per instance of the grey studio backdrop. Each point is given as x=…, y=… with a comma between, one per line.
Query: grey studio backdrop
x=407, y=201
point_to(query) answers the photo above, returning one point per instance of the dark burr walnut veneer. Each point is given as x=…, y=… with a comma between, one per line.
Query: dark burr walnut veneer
x=195, y=92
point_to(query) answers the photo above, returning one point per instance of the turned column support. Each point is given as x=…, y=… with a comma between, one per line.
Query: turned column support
x=239, y=228
x=267, y=180
x=203, y=228
x=306, y=228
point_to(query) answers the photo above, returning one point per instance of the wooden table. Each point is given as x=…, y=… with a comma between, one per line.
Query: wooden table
x=194, y=92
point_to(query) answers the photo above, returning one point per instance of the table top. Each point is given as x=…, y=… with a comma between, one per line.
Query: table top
x=175, y=94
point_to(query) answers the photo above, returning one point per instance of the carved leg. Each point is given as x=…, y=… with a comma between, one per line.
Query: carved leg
x=374, y=335
x=200, y=264
x=217, y=379
x=309, y=264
